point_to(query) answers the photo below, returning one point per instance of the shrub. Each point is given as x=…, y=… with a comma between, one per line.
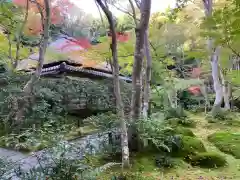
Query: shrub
x=159, y=135
x=164, y=161
x=175, y=113
x=227, y=142
x=35, y=139
x=208, y=160
x=54, y=98
x=189, y=146
x=60, y=163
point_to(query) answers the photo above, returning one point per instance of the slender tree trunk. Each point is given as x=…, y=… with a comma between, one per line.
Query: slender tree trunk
x=9, y=48
x=172, y=97
x=28, y=88
x=138, y=59
x=226, y=95
x=216, y=82
x=147, y=87
x=117, y=92
x=214, y=56
x=225, y=91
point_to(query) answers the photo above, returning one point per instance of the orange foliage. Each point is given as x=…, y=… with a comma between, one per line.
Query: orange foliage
x=59, y=9
x=83, y=58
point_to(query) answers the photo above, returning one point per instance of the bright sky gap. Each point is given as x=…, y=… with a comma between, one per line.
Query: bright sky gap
x=89, y=6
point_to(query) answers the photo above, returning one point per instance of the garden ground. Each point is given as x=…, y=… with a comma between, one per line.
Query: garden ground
x=146, y=168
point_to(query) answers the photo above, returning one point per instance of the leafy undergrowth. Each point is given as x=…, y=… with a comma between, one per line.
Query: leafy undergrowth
x=32, y=140
x=144, y=167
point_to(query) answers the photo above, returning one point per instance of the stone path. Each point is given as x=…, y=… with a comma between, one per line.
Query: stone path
x=10, y=155
x=90, y=144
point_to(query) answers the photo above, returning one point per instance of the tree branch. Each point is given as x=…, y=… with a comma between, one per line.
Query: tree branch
x=123, y=10
x=134, y=12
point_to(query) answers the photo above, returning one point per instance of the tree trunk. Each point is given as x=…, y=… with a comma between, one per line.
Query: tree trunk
x=172, y=97
x=226, y=95
x=216, y=82
x=28, y=88
x=147, y=87
x=117, y=92
x=10, y=48
x=138, y=59
x=214, y=56
x=225, y=91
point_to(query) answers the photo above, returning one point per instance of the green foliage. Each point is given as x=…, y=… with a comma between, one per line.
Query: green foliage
x=175, y=113
x=60, y=165
x=54, y=98
x=104, y=121
x=36, y=139
x=226, y=142
x=164, y=161
x=155, y=132
x=208, y=160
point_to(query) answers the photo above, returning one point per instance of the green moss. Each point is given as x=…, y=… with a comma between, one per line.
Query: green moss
x=184, y=131
x=208, y=160
x=189, y=146
x=227, y=142
x=144, y=163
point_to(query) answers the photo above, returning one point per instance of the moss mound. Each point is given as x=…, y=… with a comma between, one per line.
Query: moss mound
x=227, y=142
x=143, y=163
x=184, y=131
x=189, y=146
x=208, y=160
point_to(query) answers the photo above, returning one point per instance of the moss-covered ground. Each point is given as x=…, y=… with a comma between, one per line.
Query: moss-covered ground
x=143, y=167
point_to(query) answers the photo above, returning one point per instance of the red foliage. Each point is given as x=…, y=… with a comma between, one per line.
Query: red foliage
x=121, y=37
x=59, y=9
x=195, y=90
x=82, y=42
